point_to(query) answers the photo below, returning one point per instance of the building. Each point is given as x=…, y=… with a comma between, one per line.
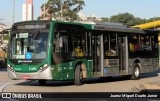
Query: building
x=91, y=18
x=82, y=16
x=3, y=43
x=27, y=10
x=2, y=26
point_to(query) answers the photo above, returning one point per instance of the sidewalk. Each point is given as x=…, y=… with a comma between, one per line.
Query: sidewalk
x=147, y=88
x=152, y=87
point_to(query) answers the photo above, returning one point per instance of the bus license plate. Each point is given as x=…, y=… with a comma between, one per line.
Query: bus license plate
x=26, y=77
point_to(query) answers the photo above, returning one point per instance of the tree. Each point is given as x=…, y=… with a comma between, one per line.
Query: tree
x=67, y=8
x=138, y=21
x=127, y=19
x=153, y=19
x=105, y=19
x=124, y=18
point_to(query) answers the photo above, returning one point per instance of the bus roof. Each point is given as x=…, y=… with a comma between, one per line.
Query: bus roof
x=151, y=31
x=115, y=27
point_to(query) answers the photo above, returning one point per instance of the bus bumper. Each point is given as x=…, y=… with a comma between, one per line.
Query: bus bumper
x=46, y=74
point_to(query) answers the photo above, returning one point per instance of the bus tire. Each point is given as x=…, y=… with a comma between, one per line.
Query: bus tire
x=42, y=82
x=136, y=72
x=78, y=75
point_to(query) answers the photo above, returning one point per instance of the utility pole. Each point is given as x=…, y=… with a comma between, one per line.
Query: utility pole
x=44, y=8
x=61, y=10
x=13, y=11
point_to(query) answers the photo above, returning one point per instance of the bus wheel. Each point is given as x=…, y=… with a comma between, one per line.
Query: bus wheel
x=78, y=75
x=136, y=73
x=42, y=82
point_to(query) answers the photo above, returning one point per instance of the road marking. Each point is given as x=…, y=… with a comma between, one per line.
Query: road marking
x=3, y=85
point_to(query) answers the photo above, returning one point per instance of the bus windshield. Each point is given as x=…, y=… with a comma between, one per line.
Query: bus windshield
x=29, y=45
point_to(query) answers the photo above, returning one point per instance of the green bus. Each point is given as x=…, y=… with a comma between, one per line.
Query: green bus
x=56, y=50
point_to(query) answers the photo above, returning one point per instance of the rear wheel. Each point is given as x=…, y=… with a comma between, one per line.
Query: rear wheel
x=136, y=73
x=42, y=82
x=78, y=75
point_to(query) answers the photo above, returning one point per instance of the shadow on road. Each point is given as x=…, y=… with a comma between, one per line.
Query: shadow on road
x=48, y=83
x=152, y=74
x=88, y=81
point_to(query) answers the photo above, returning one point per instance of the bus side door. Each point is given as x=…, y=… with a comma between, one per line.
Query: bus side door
x=123, y=53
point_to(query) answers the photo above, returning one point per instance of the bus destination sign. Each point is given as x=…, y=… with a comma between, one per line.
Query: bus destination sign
x=32, y=26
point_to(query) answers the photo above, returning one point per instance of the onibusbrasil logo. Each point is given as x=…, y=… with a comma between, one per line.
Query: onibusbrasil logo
x=20, y=95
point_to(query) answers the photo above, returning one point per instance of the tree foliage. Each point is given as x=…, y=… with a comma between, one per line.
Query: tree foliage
x=67, y=9
x=128, y=19
x=105, y=19
x=153, y=19
x=124, y=18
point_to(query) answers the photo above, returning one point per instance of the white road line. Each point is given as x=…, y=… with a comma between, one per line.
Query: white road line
x=3, y=85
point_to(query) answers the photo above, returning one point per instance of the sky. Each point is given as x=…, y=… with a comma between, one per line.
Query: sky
x=100, y=8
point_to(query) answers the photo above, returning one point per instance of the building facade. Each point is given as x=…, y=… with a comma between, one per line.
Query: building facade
x=2, y=26
x=27, y=12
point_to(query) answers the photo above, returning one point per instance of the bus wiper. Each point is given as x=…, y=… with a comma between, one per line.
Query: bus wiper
x=36, y=34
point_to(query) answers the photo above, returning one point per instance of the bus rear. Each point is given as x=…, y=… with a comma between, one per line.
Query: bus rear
x=28, y=51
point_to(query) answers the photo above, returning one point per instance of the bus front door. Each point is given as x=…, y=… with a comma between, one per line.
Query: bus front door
x=123, y=54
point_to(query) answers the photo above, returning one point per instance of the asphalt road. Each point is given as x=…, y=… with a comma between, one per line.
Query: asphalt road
x=114, y=84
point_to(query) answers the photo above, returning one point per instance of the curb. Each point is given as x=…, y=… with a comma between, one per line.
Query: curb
x=148, y=88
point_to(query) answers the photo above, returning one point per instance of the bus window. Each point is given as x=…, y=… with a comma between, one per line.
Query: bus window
x=106, y=44
x=60, y=52
x=142, y=45
x=78, y=44
x=110, y=45
x=29, y=43
x=145, y=43
x=113, y=45
x=154, y=45
x=153, y=42
x=134, y=43
x=60, y=43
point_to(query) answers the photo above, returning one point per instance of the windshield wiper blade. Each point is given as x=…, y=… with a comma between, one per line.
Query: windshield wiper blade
x=36, y=34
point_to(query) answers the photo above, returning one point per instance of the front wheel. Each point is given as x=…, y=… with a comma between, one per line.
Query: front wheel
x=136, y=73
x=42, y=82
x=78, y=75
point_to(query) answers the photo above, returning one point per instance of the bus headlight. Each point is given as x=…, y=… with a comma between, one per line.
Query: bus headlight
x=8, y=65
x=10, y=68
x=44, y=67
